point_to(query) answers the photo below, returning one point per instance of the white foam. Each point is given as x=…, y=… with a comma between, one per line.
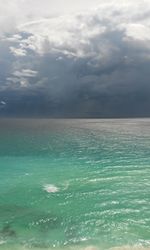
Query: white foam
x=50, y=188
x=2, y=242
x=126, y=247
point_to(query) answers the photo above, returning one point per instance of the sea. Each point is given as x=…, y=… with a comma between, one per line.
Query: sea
x=70, y=184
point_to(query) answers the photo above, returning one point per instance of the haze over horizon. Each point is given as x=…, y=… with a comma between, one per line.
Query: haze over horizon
x=75, y=58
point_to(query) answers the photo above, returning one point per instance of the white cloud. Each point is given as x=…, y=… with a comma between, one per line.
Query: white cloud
x=13, y=38
x=3, y=103
x=112, y=34
x=75, y=50
x=21, y=78
x=25, y=73
x=88, y=34
x=18, y=51
x=16, y=12
x=137, y=31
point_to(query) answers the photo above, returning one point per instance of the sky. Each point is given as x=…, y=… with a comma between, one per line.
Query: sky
x=83, y=58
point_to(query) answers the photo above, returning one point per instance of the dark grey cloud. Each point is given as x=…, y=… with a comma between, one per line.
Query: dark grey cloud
x=94, y=64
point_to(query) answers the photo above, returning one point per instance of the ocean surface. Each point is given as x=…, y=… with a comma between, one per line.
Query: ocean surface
x=74, y=184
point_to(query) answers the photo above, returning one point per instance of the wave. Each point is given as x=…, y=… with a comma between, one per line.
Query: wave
x=2, y=242
x=49, y=188
x=90, y=247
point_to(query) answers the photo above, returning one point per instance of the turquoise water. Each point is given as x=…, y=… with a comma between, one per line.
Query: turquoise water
x=74, y=183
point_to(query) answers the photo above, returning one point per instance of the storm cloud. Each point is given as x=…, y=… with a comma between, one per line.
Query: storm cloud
x=93, y=62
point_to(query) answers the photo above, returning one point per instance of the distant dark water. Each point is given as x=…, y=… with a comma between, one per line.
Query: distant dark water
x=74, y=183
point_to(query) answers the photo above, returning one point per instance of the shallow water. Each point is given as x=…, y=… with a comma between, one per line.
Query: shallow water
x=74, y=184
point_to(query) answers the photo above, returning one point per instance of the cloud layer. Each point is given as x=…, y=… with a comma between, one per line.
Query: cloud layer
x=90, y=64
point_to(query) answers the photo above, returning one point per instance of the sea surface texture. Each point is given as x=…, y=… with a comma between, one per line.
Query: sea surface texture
x=74, y=184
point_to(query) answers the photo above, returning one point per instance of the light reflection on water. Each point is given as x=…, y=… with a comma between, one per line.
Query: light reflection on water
x=74, y=184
